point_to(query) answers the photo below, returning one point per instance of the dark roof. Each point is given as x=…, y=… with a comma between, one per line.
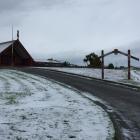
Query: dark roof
x=17, y=45
x=5, y=45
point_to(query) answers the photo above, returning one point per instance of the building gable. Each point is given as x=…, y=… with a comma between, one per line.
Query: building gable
x=20, y=55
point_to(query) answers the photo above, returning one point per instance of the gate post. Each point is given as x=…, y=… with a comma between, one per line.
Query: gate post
x=0, y=59
x=129, y=65
x=102, y=54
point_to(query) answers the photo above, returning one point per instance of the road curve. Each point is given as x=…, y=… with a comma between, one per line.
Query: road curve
x=124, y=101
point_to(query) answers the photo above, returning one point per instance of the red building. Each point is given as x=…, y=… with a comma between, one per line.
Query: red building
x=13, y=53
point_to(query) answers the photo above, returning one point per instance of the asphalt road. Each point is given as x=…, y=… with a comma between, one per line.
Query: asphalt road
x=124, y=101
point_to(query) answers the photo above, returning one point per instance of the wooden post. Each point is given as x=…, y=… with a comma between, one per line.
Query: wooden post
x=17, y=34
x=129, y=65
x=0, y=59
x=102, y=54
x=12, y=56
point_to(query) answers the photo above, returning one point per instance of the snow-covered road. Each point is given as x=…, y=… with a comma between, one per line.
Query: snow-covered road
x=34, y=108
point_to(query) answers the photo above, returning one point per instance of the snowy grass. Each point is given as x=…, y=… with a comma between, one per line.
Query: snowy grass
x=111, y=75
x=33, y=108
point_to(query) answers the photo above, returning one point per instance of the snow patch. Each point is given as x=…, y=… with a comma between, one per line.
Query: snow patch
x=35, y=108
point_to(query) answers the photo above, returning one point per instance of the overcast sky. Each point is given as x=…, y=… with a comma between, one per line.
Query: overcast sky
x=70, y=29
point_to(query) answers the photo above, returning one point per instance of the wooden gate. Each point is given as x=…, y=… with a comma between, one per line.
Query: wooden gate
x=116, y=52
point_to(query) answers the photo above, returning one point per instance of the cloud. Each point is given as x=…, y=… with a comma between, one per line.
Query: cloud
x=23, y=5
x=9, y=5
x=70, y=29
x=15, y=11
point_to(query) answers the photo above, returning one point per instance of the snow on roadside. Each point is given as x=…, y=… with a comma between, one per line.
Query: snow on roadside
x=34, y=108
x=112, y=75
x=115, y=75
x=136, y=75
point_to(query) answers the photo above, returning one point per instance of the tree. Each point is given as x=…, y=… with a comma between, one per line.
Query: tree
x=92, y=60
x=110, y=66
x=85, y=60
x=66, y=64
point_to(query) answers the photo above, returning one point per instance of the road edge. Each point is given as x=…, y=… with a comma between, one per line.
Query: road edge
x=108, y=81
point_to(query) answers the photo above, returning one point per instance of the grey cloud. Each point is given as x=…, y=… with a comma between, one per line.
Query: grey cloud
x=10, y=5
x=49, y=3
x=23, y=5
x=14, y=11
x=11, y=12
x=54, y=26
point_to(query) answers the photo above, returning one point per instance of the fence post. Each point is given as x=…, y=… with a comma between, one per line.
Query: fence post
x=102, y=54
x=129, y=65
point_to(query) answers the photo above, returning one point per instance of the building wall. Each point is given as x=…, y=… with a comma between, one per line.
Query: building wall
x=18, y=60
